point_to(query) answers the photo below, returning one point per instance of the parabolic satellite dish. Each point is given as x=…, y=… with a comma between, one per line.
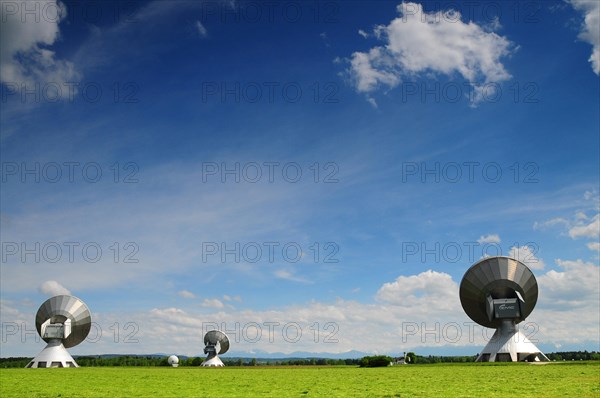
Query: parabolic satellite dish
x=216, y=343
x=173, y=360
x=500, y=292
x=63, y=322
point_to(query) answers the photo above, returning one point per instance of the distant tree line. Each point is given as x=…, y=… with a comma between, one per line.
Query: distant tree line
x=134, y=360
x=573, y=356
x=369, y=361
x=553, y=356
x=121, y=360
x=14, y=362
x=443, y=359
x=290, y=362
x=375, y=361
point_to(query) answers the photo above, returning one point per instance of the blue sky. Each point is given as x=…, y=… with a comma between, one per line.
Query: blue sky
x=333, y=166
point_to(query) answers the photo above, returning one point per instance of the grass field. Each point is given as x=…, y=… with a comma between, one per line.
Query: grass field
x=580, y=379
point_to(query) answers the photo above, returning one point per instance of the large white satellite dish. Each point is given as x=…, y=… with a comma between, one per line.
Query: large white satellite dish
x=499, y=292
x=63, y=322
x=216, y=343
x=173, y=360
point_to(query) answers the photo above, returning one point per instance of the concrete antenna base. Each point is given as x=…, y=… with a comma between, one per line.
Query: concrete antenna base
x=53, y=356
x=508, y=344
x=213, y=361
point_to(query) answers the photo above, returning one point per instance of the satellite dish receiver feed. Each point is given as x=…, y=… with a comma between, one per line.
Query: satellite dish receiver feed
x=61, y=321
x=173, y=360
x=216, y=343
x=500, y=292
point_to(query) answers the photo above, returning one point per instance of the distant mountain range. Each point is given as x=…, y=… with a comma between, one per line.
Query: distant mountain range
x=253, y=354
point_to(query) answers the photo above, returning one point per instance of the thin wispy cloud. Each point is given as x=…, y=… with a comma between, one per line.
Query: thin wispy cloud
x=201, y=29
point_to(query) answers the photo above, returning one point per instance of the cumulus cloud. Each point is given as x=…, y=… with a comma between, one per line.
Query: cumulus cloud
x=25, y=56
x=525, y=255
x=580, y=216
x=186, y=294
x=429, y=287
x=168, y=313
x=290, y=276
x=492, y=238
x=590, y=29
x=589, y=195
x=411, y=312
x=227, y=297
x=426, y=304
x=373, y=68
x=589, y=230
x=594, y=246
x=53, y=288
x=579, y=226
x=576, y=284
x=212, y=303
x=418, y=42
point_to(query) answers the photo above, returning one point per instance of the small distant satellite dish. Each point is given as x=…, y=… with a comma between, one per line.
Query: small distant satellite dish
x=62, y=321
x=500, y=292
x=173, y=361
x=216, y=343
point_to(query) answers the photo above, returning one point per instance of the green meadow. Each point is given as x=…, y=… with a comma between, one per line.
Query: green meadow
x=571, y=379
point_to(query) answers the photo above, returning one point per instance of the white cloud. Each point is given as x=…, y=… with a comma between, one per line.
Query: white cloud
x=590, y=30
x=580, y=216
x=212, y=303
x=431, y=288
x=325, y=39
x=587, y=195
x=172, y=311
x=227, y=297
x=595, y=246
x=527, y=257
x=24, y=54
x=418, y=42
x=579, y=226
x=492, y=238
x=372, y=102
x=53, y=288
x=186, y=294
x=428, y=302
x=363, y=33
x=201, y=29
x=591, y=230
x=550, y=223
x=578, y=284
x=373, y=68
x=290, y=276
x=412, y=312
